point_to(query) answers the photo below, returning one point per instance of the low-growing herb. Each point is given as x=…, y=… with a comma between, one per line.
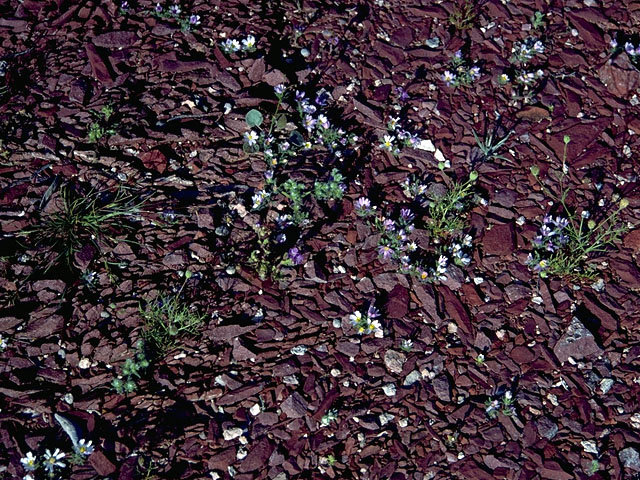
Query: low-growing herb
x=568, y=241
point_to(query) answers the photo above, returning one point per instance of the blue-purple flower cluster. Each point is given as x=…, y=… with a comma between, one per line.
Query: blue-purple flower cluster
x=523, y=52
x=187, y=22
x=397, y=245
x=398, y=138
x=632, y=50
x=551, y=237
x=319, y=129
x=368, y=323
x=462, y=72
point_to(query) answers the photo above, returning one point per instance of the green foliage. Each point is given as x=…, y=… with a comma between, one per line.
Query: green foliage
x=295, y=193
x=168, y=319
x=332, y=189
x=463, y=15
x=537, y=20
x=329, y=417
x=131, y=370
x=102, y=126
x=254, y=118
x=490, y=145
x=82, y=219
x=447, y=211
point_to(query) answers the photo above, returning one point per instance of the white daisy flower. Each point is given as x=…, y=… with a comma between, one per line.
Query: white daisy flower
x=52, y=460
x=29, y=462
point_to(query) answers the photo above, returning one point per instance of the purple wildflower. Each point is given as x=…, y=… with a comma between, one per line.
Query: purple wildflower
x=388, y=225
x=308, y=108
x=279, y=89
x=363, y=203
x=158, y=8
x=385, y=251
x=538, y=46
x=124, y=6
x=613, y=43
x=406, y=214
x=372, y=312
x=551, y=247
x=295, y=256
x=194, y=19
x=299, y=95
x=309, y=122
x=561, y=222
x=629, y=48
x=174, y=10
x=402, y=94
x=545, y=231
x=322, y=98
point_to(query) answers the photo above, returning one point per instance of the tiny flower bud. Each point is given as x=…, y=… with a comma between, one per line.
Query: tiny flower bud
x=591, y=224
x=473, y=176
x=624, y=203
x=188, y=274
x=535, y=170
x=567, y=139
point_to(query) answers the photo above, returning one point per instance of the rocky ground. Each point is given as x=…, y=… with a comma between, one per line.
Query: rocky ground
x=277, y=383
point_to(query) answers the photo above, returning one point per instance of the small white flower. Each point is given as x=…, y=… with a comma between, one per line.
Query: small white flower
x=251, y=138
x=387, y=142
x=393, y=123
x=376, y=327
x=29, y=462
x=234, y=45
x=508, y=395
x=83, y=447
x=3, y=343
x=355, y=317
x=52, y=460
x=249, y=42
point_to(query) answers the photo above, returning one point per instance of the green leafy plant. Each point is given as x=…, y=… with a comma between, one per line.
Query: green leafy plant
x=295, y=192
x=84, y=218
x=329, y=417
x=332, y=189
x=537, y=20
x=567, y=242
x=102, y=125
x=168, y=319
x=446, y=208
x=490, y=144
x=463, y=15
x=125, y=382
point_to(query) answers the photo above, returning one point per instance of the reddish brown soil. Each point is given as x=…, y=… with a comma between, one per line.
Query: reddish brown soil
x=66, y=58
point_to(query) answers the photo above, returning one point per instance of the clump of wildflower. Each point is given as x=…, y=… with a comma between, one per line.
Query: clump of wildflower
x=124, y=6
x=397, y=137
x=523, y=52
x=295, y=256
x=260, y=199
x=232, y=45
x=406, y=345
x=551, y=237
x=504, y=404
x=367, y=324
x=462, y=71
x=3, y=343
